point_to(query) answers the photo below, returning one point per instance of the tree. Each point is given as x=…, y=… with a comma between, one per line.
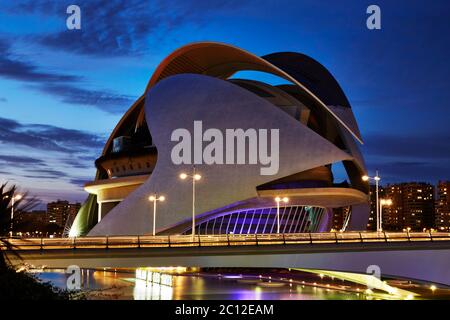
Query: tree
x=20, y=204
x=13, y=284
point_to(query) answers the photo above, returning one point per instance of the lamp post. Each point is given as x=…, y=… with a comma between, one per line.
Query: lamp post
x=13, y=200
x=195, y=177
x=154, y=198
x=278, y=200
x=383, y=202
x=376, y=179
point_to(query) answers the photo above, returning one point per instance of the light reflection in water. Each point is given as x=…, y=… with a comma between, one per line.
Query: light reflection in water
x=102, y=284
x=151, y=291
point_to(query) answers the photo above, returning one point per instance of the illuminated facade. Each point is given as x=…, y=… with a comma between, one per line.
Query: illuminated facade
x=412, y=206
x=59, y=211
x=443, y=206
x=198, y=82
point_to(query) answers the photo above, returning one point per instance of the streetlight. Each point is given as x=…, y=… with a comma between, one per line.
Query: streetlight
x=383, y=202
x=376, y=179
x=13, y=199
x=408, y=229
x=278, y=200
x=195, y=177
x=153, y=199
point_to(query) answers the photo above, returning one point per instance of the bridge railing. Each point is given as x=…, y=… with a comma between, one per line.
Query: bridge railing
x=127, y=242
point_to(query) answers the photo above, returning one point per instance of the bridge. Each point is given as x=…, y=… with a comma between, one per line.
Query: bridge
x=410, y=255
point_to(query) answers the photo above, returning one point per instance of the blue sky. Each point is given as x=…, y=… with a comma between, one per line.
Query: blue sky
x=62, y=91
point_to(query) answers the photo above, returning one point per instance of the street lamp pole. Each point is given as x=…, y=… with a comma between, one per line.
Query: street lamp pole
x=155, y=198
x=278, y=200
x=154, y=216
x=377, y=202
x=195, y=177
x=377, y=178
x=13, y=199
x=386, y=202
x=377, y=205
x=193, y=202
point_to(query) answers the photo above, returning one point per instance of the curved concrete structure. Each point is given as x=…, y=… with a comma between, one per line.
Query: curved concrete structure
x=222, y=61
x=208, y=97
x=315, y=128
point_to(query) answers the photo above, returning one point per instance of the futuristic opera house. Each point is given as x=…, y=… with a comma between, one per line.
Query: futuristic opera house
x=202, y=82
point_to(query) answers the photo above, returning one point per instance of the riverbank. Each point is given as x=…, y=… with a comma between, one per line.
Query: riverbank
x=23, y=286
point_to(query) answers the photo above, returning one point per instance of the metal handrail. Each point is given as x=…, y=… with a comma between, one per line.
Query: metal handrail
x=111, y=242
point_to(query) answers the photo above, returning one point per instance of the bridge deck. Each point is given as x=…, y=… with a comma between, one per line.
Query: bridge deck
x=422, y=256
x=174, y=241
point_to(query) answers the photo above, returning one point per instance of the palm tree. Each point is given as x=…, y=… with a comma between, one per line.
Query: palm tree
x=13, y=284
x=7, y=205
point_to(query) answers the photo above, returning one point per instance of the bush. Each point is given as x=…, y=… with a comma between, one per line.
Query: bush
x=22, y=286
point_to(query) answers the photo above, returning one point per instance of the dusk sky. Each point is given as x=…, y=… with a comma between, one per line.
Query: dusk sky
x=63, y=91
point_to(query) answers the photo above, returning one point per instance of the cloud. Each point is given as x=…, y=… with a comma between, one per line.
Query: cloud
x=20, y=161
x=44, y=173
x=119, y=27
x=106, y=101
x=48, y=138
x=74, y=153
x=13, y=68
x=48, y=173
x=401, y=171
x=433, y=145
x=79, y=162
x=62, y=86
x=79, y=182
x=404, y=158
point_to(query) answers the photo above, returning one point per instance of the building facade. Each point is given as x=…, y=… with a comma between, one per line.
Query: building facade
x=442, y=221
x=340, y=218
x=412, y=206
x=60, y=211
x=194, y=88
x=31, y=221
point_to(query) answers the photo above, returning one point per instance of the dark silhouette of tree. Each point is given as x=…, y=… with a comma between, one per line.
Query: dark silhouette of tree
x=7, y=192
x=20, y=285
x=24, y=204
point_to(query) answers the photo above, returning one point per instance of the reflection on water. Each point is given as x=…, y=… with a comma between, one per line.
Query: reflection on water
x=154, y=285
x=145, y=291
